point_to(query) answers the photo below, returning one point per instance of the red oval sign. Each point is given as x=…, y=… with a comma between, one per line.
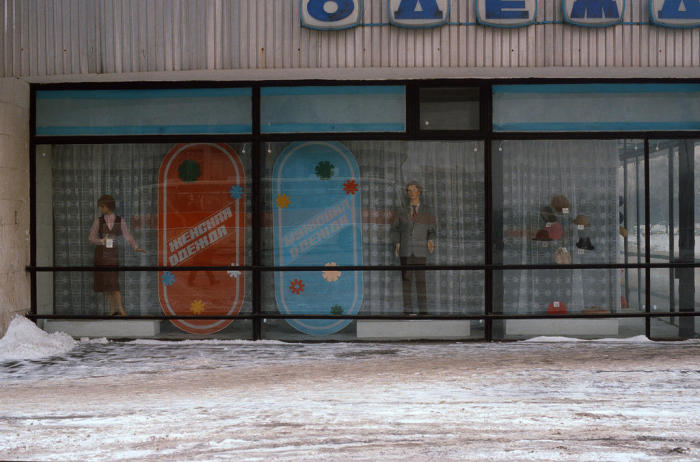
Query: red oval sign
x=201, y=215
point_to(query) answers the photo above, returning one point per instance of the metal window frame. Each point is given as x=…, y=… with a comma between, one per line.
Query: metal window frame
x=491, y=268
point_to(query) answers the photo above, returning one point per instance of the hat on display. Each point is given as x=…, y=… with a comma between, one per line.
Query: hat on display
x=541, y=235
x=556, y=308
x=547, y=213
x=562, y=256
x=555, y=231
x=623, y=231
x=560, y=202
x=581, y=220
x=585, y=243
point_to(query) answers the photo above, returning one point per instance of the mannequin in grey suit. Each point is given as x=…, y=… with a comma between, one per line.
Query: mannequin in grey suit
x=413, y=234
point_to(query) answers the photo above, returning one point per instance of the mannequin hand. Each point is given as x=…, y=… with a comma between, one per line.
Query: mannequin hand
x=139, y=249
x=396, y=250
x=431, y=246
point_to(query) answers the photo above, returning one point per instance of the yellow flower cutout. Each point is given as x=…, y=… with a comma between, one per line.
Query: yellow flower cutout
x=197, y=307
x=283, y=201
x=330, y=275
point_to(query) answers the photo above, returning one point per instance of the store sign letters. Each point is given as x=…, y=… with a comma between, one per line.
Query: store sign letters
x=506, y=13
x=344, y=14
x=593, y=12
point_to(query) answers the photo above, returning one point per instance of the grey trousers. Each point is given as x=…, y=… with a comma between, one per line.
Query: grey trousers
x=407, y=277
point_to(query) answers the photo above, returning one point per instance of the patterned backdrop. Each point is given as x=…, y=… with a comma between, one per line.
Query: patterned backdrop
x=451, y=174
x=585, y=172
x=129, y=172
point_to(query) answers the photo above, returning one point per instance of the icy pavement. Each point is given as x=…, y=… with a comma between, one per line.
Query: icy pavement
x=541, y=400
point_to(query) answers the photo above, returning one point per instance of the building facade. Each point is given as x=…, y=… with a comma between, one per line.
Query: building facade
x=352, y=170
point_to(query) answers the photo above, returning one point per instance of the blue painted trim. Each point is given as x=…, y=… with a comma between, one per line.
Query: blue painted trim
x=335, y=90
x=654, y=22
x=568, y=20
x=594, y=126
x=500, y=26
x=145, y=130
x=143, y=94
x=332, y=128
x=462, y=23
x=360, y=7
x=430, y=26
x=592, y=88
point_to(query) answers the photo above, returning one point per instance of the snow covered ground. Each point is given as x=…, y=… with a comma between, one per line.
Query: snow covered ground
x=547, y=399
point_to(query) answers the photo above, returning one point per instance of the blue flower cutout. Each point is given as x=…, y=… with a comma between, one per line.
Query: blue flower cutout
x=236, y=192
x=167, y=278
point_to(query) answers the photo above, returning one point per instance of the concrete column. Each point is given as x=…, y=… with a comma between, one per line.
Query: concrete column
x=14, y=200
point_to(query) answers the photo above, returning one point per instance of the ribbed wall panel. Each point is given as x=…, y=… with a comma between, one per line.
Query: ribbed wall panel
x=54, y=37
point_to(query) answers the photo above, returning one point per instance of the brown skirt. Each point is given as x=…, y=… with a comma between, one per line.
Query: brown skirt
x=106, y=281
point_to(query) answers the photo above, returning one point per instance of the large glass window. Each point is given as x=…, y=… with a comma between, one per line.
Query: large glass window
x=379, y=233
x=569, y=202
x=351, y=203
x=675, y=234
x=137, y=205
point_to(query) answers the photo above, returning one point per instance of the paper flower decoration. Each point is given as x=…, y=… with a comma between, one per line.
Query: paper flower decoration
x=350, y=187
x=233, y=273
x=236, y=192
x=189, y=171
x=282, y=201
x=324, y=170
x=330, y=275
x=197, y=307
x=297, y=286
x=336, y=309
x=167, y=279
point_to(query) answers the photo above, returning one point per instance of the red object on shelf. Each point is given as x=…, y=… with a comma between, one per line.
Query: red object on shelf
x=555, y=231
x=553, y=309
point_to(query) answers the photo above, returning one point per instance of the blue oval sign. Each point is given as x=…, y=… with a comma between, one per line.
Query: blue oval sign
x=317, y=221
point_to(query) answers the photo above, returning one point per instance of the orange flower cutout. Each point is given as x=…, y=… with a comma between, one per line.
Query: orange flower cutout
x=283, y=201
x=297, y=286
x=350, y=187
x=197, y=307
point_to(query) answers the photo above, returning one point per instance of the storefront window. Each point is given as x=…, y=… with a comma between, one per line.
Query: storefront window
x=569, y=202
x=407, y=216
x=348, y=204
x=675, y=234
x=144, y=205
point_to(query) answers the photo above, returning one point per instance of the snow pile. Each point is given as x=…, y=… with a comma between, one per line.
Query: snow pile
x=24, y=340
x=94, y=341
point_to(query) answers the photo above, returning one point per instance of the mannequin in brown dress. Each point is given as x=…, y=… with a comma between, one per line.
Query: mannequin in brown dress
x=104, y=233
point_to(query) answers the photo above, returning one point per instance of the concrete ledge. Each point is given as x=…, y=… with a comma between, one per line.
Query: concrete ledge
x=418, y=329
x=112, y=328
x=562, y=327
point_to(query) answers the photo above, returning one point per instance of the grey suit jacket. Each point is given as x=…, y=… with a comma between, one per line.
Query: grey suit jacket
x=413, y=233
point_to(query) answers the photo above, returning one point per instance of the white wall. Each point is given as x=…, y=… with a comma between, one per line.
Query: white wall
x=14, y=199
